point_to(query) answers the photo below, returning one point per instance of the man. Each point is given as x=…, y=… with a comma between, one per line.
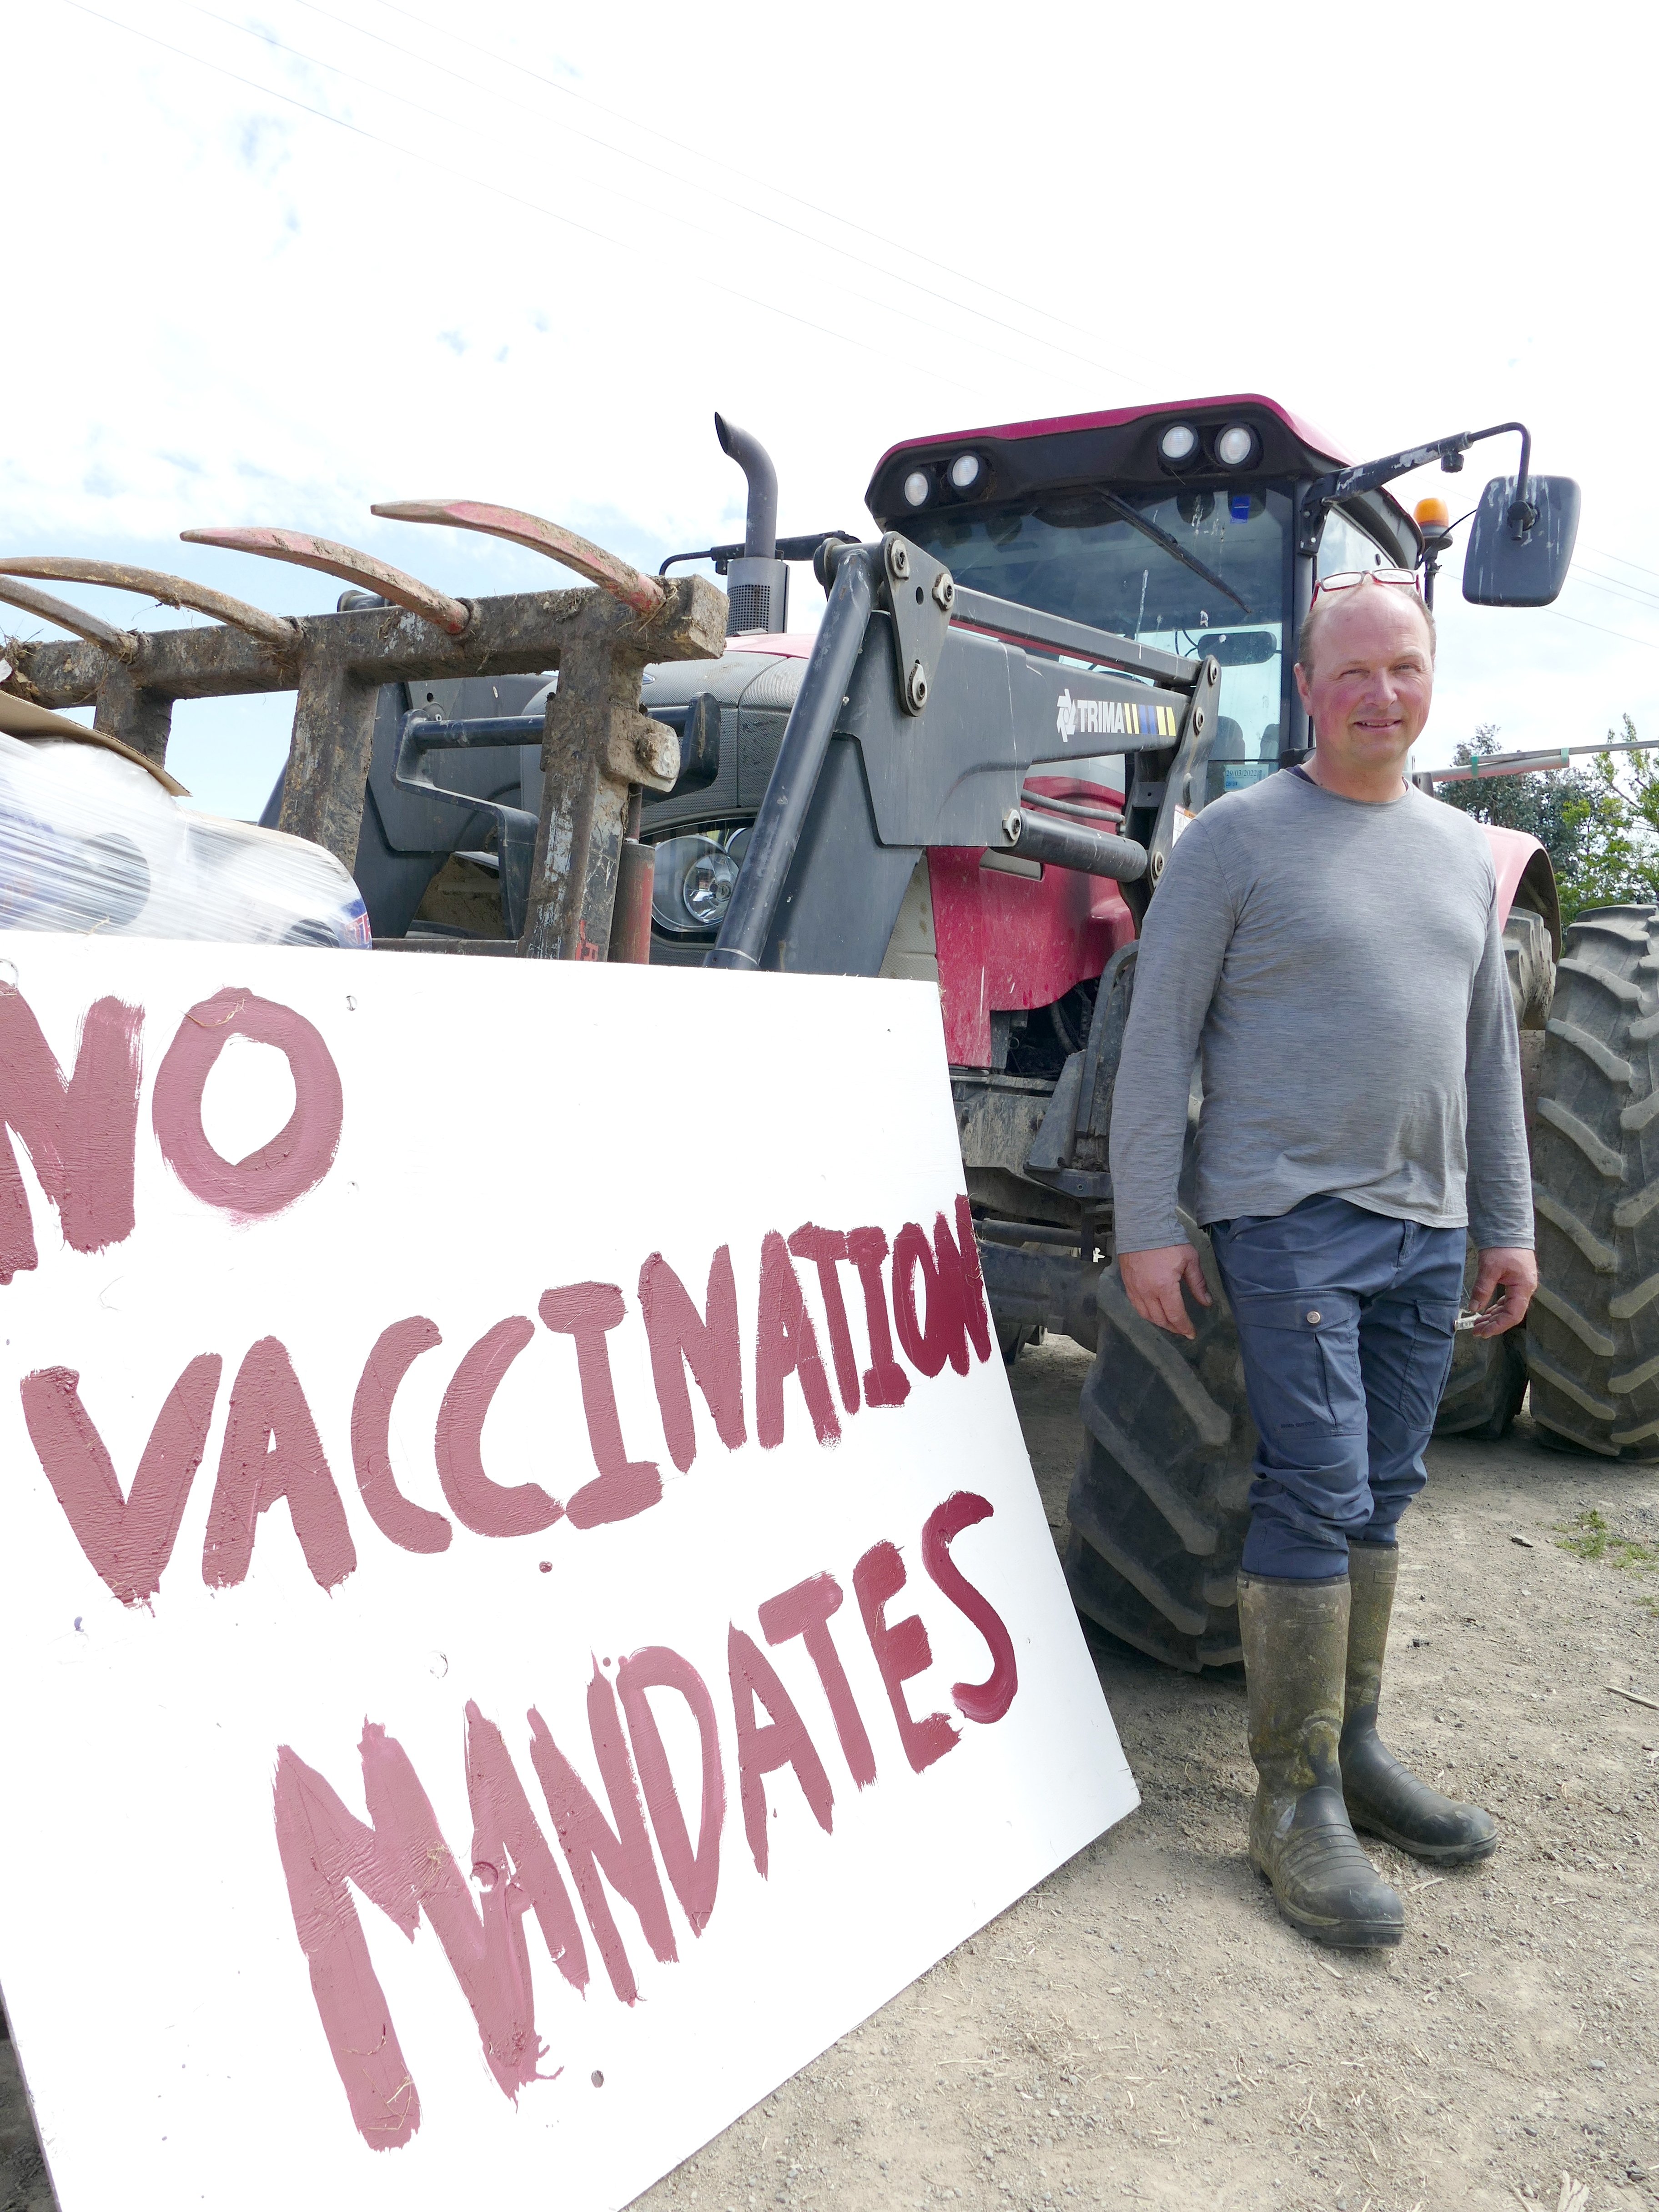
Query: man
x=1326, y=944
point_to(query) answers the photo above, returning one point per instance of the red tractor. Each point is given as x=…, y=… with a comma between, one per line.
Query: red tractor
x=1072, y=635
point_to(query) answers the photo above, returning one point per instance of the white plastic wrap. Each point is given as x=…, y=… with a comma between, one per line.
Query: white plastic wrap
x=91, y=842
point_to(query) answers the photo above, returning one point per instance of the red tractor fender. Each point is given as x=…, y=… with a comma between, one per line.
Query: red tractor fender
x=1525, y=878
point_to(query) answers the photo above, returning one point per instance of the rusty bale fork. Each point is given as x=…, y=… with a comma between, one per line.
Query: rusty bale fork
x=598, y=750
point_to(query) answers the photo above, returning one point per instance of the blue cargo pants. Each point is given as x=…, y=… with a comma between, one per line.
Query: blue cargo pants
x=1345, y=1320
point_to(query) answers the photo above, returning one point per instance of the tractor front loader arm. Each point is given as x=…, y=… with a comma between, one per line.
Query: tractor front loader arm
x=922, y=709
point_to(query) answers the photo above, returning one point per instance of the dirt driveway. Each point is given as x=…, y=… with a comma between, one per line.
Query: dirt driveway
x=1142, y=2029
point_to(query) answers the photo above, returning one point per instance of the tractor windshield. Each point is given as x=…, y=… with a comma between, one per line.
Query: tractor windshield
x=1191, y=572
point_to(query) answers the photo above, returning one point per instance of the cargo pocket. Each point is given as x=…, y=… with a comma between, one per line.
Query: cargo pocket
x=1302, y=1361
x=1428, y=1360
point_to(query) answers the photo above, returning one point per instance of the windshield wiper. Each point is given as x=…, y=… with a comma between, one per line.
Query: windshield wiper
x=1171, y=545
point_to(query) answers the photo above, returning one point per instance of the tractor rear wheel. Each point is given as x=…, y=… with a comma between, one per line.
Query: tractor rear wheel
x=1593, y=1328
x=1488, y=1378
x=1158, y=1504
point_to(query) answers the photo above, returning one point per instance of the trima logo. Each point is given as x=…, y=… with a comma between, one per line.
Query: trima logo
x=1113, y=718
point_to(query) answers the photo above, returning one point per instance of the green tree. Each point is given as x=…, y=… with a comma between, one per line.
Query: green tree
x=1598, y=823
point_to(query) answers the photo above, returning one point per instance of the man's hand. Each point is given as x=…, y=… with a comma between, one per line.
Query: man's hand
x=1508, y=1275
x=1153, y=1281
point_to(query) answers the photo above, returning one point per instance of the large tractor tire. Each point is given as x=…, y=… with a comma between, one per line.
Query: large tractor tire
x=1157, y=1505
x=1593, y=1329
x=1488, y=1378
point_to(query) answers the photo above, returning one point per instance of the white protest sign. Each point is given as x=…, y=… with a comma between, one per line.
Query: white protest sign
x=529, y=1612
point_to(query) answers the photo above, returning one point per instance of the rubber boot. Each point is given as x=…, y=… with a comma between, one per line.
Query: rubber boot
x=1384, y=1797
x=1296, y=1643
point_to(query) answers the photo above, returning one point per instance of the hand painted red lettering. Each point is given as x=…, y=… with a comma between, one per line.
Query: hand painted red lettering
x=489, y=1508
x=511, y=1854
x=623, y=1486
x=396, y=1349
x=823, y=1247
x=975, y=1313
x=128, y=1539
x=804, y=1612
x=786, y=1344
x=987, y=1700
x=81, y=1134
x=885, y=1382
x=902, y=1649
x=402, y=1865
x=272, y=1449
x=695, y=1874
x=299, y=1154
x=590, y=1843
x=763, y=1748
x=680, y=1337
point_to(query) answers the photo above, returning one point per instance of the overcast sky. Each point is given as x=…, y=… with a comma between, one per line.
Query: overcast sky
x=271, y=264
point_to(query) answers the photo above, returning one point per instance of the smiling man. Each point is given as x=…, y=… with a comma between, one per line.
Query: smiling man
x=1326, y=945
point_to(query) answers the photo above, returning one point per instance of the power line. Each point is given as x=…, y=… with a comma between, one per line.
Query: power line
x=727, y=199
x=1602, y=555
x=796, y=199
x=1601, y=628
x=1616, y=586
x=268, y=40
x=462, y=176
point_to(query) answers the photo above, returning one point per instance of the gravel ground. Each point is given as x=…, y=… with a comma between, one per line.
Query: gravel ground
x=1142, y=2027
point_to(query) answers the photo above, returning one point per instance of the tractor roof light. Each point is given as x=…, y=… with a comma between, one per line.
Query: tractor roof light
x=1434, y=525
x=918, y=487
x=1179, y=445
x=966, y=471
x=1237, y=446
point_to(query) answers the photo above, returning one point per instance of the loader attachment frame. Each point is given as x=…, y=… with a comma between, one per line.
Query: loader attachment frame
x=598, y=748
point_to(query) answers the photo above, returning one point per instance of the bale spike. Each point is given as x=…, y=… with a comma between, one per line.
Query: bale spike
x=644, y=594
x=274, y=630
x=121, y=643
x=344, y=561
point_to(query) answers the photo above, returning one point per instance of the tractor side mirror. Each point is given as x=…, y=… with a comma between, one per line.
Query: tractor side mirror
x=1519, y=552
x=700, y=746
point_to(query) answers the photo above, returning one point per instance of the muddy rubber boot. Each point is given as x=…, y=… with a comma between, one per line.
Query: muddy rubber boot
x=1296, y=1643
x=1384, y=1797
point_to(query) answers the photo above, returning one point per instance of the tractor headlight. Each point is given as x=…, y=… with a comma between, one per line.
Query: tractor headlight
x=706, y=888
x=918, y=486
x=1179, y=444
x=691, y=885
x=1237, y=446
x=966, y=470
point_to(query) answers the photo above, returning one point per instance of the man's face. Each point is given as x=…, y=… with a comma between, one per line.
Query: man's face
x=1369, y=690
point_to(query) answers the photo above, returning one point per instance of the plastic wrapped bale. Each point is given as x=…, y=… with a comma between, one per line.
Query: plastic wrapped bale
x=92, y=841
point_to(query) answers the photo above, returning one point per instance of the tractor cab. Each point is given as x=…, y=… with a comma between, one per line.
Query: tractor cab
x=1199, y=528
x=1144, y=571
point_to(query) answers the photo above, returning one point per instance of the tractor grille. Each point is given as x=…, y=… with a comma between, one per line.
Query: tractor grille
x=752, y=607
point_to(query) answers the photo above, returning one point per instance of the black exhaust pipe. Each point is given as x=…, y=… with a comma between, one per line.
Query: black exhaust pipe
x=758, y=584
x=760, y=534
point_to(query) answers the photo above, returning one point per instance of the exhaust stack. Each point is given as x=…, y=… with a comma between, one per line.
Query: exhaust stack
x=757, y=584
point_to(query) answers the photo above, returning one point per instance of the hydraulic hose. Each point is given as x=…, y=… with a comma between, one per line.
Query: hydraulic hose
x=795, y=773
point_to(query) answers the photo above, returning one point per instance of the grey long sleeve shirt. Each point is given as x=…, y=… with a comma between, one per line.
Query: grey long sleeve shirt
x=1338, y=969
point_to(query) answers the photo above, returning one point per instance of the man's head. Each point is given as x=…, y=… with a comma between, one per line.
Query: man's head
x=1365, y=671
